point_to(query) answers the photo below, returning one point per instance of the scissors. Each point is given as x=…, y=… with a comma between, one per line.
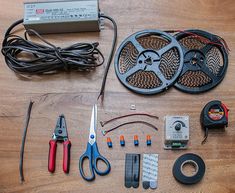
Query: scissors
x=92, y=152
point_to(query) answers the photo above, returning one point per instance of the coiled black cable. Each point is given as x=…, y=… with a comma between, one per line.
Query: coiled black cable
x=27, y=57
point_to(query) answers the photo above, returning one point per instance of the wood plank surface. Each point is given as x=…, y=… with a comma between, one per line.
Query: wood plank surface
x=74, y=94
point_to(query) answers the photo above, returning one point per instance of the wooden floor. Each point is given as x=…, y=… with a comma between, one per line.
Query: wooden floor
x=74, y=94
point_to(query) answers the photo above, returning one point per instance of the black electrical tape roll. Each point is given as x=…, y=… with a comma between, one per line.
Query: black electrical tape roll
x=189, y=158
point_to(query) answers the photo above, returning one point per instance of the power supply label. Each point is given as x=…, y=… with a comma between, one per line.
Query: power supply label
x=61, y=11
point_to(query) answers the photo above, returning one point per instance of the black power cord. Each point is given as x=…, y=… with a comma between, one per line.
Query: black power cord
x=27, y=57
x=31, y=58
x=110, y=56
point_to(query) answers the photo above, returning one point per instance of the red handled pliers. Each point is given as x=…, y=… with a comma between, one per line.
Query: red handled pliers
x=60, y=134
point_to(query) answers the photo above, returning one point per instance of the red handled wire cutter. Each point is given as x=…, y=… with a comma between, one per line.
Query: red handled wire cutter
x=61, y=135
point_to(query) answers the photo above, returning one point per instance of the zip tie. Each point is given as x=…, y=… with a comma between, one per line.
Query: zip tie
x=23, y=141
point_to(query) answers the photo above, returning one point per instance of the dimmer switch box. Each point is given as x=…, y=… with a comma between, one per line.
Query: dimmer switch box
x=176, y=132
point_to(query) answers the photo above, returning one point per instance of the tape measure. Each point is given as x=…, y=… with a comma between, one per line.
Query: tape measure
x=214, y=116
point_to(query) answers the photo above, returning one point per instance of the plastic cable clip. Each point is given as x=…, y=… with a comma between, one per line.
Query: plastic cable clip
x=132, y=170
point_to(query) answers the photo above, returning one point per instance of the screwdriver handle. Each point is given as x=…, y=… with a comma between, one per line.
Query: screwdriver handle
x=52, y=156
x=66, y=156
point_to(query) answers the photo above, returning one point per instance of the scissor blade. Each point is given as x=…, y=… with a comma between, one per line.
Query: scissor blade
x=92, y=135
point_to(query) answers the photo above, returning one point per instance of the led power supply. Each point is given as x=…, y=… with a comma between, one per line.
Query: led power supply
x=62, y=16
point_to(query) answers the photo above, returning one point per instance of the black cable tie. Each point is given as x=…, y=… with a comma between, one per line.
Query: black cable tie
x=23, y=141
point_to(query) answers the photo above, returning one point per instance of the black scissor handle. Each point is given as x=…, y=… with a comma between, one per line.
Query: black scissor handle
x=86, y=155
x=97, y=157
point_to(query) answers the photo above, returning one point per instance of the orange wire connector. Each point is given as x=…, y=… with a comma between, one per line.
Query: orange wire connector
x=136, y=140
x=109, y=142
x=148, y=140
x=122, y=140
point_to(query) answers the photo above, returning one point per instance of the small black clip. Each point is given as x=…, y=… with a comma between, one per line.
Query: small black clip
x=132, y=170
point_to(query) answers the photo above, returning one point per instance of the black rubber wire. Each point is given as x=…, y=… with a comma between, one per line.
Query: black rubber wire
x=101, y=94
x=47, y=58
x=23, y=141
x=28, y=57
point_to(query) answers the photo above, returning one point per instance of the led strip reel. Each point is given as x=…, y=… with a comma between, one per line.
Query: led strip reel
x=149, y=61
x=205, y=64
